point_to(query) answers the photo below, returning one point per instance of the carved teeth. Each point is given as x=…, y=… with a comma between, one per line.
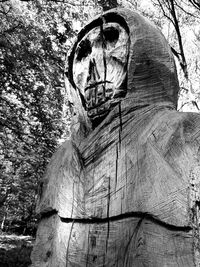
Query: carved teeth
x=97, y=96
x=100, y=109
x=92, y=112
x=87, y=96
x=109, y=92
x=98, y=100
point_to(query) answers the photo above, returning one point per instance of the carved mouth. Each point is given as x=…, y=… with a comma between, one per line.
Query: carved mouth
x=99, y=111
x=97, y=99
x=96, y=84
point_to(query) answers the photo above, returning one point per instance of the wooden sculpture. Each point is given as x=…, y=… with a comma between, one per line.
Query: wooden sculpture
x=124, y=191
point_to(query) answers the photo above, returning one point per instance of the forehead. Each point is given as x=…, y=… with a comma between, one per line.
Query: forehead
x=95, y=33
x=110, y=18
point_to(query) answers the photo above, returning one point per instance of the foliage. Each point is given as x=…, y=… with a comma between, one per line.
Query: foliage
x=32, y=59
x=28, y=132
x=35, y=37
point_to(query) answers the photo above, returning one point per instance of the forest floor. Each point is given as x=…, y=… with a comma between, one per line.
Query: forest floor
x=15, y=250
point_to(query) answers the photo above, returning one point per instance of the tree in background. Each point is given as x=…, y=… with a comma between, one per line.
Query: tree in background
x=32, y=60
x=178, y=20
x=35, y=37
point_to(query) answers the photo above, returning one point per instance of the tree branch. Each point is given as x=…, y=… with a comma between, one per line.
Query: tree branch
x=183, y=9
x=169, y=4
x=164, y=13
x=195, y=4
x=176, y=25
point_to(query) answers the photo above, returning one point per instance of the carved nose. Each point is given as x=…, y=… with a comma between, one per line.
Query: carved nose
x=93, y=74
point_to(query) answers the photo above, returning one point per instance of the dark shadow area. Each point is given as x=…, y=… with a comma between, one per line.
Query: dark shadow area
x=15, y=250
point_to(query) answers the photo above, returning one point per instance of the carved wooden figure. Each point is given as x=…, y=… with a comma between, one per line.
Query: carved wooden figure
x=124, y=191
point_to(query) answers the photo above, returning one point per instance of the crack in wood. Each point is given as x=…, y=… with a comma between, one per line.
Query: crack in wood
x=70, y=234
x=87, y=259
x=120, y=124
x=135, y=233
x=47, y=214
x=72, y=201
x=120, y=116
x=116, y=166
x=142, y=215
x=104, y=51
x=108, y=215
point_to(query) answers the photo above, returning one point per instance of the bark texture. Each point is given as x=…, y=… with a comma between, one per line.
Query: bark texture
x=127, y=193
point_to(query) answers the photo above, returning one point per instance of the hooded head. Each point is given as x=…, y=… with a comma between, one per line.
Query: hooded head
x=121, y=55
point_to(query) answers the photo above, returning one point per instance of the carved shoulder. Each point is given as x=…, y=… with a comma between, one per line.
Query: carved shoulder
x=61, y=186
x=176, y=141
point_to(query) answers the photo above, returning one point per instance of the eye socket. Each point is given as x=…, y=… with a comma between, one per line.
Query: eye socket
x=84, y=49
x=111, y=34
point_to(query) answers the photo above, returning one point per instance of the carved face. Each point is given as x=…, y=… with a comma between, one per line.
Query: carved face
x=100, y=66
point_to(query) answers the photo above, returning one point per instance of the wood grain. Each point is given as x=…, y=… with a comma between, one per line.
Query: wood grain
x=147, y=177
x=127, y=242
